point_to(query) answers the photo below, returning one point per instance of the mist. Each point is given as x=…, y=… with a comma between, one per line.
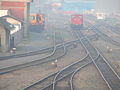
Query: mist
x=108, y=6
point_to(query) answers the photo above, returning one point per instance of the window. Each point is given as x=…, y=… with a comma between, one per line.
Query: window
x=32, y=17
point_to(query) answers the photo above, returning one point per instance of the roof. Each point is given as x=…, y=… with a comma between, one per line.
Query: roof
x=13, y=18
x=18, y=0
x=7, y=25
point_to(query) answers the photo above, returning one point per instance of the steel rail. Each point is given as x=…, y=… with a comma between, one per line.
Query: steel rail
x=89, y=52
x=68, y=68
x=72, y=33
x=83, y=44
x=108, y=63
x=87, y=49
x=32, y=52
x=106, y=37
x=56, y=80
x=97, y=67
x=52, y=84
x=115, y=76
x=47, y=79
x=41, y=81
x=96, y=64
x=103, y=35
x=114, y=29
x=64, y=70
x=36, y=52
x=71, y=74
x=108, y=73
x=77, y=70
x=28, y=64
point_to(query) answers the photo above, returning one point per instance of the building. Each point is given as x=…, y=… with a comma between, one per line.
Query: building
x=5, y=28
x=10, y=37
x=18, y=30
x=19, y=9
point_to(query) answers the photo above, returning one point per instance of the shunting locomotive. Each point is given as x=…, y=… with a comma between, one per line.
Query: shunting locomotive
x=37, y=21
x=76, y=21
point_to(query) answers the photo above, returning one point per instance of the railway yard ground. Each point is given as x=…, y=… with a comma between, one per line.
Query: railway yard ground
x=61, y=49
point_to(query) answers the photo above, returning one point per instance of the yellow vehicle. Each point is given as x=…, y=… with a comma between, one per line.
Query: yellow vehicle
x=36, y=21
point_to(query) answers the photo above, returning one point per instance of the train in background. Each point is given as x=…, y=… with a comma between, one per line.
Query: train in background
x=37, y=21
x=100, y=16
x=76, y=21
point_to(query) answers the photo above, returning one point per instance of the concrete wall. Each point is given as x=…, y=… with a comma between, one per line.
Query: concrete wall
x=5, y=39
x=19, y=9
x=16, y=8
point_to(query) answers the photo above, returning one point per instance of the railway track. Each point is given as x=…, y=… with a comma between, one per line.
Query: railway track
x=31, y=53
x=63, y=76
x=114, y=29
x=109, y=75
x=76, y=71
x=105, y=24
x=40, y=84
x=45, y=50
x=103, y=36
x=57, y=53
x=63, y=79
x=52, y=80
x=106, y=37
x=107, y=72
x=41, y=51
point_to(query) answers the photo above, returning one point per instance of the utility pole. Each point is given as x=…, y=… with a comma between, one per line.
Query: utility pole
x=26, y=19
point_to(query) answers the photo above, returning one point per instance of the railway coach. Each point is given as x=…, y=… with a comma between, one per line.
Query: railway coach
x=76, y=21
x=36, y=21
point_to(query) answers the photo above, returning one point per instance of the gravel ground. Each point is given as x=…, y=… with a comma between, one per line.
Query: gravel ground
x=110, y=33
x=88, y=32
x=89, y=78
x=21, y=78
x=73, y=55
x=112, y=57
x=16, y=61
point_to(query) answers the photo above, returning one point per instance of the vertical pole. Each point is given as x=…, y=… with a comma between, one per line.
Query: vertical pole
x=26, y=19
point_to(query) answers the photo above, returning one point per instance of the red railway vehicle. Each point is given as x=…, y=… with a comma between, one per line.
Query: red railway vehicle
x=77, y=21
